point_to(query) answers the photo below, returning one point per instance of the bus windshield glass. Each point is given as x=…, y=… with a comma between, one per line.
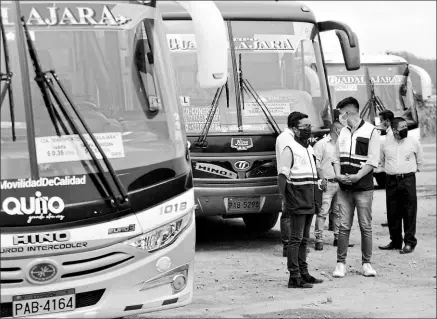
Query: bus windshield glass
x=390, y=83
x=280, y=61
x=111, y=74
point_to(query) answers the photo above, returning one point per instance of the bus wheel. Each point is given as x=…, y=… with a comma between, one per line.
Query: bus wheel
x=260, y=222
x=380, y=180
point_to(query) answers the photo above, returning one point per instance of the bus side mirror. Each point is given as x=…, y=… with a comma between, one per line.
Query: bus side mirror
x=348, y=41
x=211, y=42
x=351, y=55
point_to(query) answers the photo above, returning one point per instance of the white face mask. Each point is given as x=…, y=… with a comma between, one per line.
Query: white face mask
x=342, y=120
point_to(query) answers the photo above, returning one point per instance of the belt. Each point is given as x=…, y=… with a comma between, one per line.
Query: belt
x=331, y=180
x=401, y=176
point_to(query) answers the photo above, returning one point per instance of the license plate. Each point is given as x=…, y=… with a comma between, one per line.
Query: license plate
x=238, y=204
x=44, y=303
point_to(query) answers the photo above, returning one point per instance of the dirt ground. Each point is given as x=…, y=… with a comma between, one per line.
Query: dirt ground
x=243, y=275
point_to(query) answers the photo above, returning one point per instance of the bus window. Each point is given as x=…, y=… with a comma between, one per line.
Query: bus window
x=276, y=59
x=196, y=101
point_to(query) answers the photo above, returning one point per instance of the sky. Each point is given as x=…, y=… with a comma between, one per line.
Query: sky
x=382, y=25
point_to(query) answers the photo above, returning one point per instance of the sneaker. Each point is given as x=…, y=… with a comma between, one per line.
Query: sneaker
x=298, y=282
x=340, y=270
x=368, y=271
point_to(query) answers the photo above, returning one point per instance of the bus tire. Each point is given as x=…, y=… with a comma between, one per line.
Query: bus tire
x=380, y=180
x=260, y=222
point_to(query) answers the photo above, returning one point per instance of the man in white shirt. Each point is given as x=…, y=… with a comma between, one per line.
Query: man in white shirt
x=281, y=142
x=385, y=119
x=325, y=152
x=402, y=157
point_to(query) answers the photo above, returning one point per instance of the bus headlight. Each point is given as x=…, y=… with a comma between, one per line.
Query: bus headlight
x=163, y=236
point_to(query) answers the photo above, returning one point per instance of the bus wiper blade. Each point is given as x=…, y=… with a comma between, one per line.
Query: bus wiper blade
x=374, y=104
x=245, y=86
x=45, y=82
x=202, y=140
x=7, y=78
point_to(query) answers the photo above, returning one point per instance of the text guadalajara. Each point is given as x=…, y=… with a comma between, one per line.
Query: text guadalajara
x=63, y=15
x=259, y=42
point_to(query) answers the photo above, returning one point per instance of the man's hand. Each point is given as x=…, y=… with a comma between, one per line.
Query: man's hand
x=353, y=178
x=323, y=184
x=344, y=179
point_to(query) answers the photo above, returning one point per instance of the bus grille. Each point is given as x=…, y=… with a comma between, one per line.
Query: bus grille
x=225, y=170
x=83, y=299
x=11, y=275
x=70, y=268
x=84, y=267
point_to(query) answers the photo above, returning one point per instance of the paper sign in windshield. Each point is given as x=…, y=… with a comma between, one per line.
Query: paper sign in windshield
x=276, y=109
x=69, y=148
x=195, y=119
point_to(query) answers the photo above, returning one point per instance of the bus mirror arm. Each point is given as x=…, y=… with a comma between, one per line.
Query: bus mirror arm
x=335, y=25
x=348, y=41
x=211, y=42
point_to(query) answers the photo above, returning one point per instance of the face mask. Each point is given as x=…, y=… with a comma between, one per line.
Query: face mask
x=304, y=133
x=403, y=133
x=342, y=120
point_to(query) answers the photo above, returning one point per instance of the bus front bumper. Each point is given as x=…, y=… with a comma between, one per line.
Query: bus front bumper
x=133, y=287
x=213, y=199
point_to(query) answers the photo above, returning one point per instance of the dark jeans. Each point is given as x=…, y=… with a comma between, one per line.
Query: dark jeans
x=300, y=226
x=347, y=202
x=401, y=200
x=285, y=227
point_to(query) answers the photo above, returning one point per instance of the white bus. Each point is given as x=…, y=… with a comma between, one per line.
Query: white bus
x=97, y=198
x=275, y=67
x=384, y=81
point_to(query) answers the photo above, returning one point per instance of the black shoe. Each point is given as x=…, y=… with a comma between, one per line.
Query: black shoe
x=335, y=243
x=311, y=280
x=384, y=224
x=319, y=246
x=407, y=249
x=390, y=246
x=298, y=282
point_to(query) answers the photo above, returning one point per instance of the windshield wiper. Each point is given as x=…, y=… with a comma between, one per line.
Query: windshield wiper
x=45, y=82
x=7, y=78
x=403, y=89
x=374, y=104
x=201, y=141
x=245, y=86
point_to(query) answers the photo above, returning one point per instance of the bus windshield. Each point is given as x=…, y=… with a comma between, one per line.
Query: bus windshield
x=111, y=70
x=280, y=60
x=113, y=86
x=390, y=83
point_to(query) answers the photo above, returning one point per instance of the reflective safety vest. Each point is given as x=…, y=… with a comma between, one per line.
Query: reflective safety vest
x=354, y=148
x=303, y=195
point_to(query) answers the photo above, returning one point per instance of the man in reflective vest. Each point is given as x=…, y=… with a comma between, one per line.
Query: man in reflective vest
x=358, y=151
x=300, y=189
